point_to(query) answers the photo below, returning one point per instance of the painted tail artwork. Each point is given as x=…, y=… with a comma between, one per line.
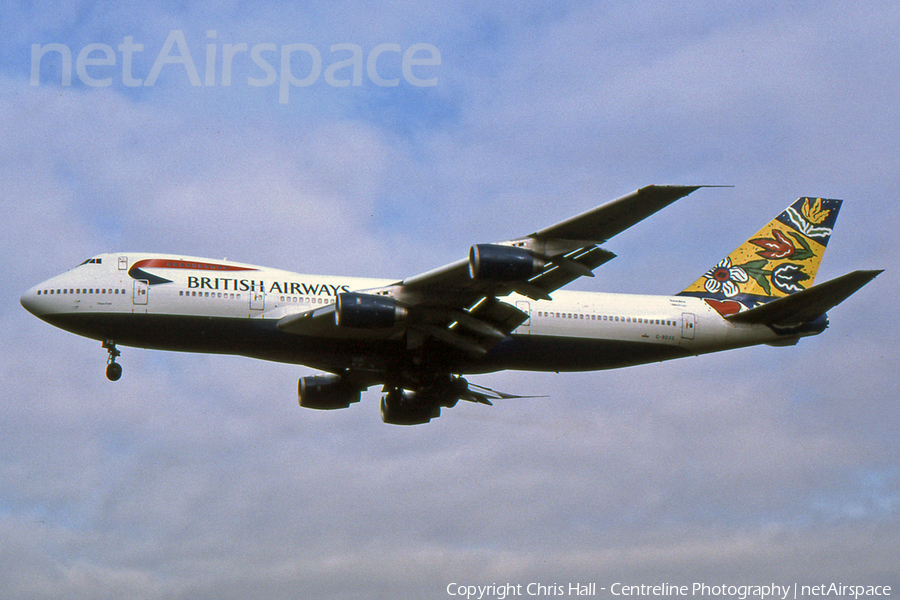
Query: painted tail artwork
x=779, y=261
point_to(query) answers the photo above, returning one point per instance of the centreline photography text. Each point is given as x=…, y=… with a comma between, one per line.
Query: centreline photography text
x=766, y=591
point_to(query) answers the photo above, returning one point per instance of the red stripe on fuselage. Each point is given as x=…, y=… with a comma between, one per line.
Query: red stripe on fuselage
x=166, y=263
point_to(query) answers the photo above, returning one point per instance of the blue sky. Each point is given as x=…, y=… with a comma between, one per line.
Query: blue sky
x=199, y=477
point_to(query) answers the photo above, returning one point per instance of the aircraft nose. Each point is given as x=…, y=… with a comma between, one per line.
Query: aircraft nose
x=31, y=302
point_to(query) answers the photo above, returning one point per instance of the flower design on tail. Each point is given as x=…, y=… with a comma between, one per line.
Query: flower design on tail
x=724, y=277
x=787, y=277
x=815, y=214
x=810, y=218
x=775, y=248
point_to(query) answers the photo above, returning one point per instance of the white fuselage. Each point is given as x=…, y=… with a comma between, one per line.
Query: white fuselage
x=206, y=305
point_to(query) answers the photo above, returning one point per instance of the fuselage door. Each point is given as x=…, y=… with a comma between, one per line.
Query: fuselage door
x=141, y=291
x=257, y=300
x=123, y=263
x=688, y=325
x=525, y=307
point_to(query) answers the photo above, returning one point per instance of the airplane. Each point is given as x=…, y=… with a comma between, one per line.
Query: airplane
x=498, y=308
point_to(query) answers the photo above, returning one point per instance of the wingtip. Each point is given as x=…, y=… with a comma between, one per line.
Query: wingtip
x=872, y=273
x=695, y=186
x=866, y=274
x=683, y=189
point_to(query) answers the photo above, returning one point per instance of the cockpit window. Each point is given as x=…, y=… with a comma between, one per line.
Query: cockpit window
x=92, y=261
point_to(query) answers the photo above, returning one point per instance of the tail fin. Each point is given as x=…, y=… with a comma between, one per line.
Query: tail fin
x=781, y=259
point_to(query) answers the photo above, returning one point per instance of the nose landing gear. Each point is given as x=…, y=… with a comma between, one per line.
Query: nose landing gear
x=113, y=369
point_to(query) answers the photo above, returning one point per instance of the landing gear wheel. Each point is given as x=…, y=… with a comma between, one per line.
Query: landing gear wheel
x=390, y=403
x=113, y=371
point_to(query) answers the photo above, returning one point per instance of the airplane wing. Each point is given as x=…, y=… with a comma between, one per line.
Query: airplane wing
x=458, y=304
x=564, y=252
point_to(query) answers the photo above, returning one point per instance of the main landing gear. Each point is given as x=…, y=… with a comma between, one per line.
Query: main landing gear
x=113, y=369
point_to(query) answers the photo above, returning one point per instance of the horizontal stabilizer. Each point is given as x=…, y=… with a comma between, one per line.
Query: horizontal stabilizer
x=806, y=305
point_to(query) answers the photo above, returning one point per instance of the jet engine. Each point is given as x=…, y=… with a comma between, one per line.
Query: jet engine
x=367, y=311
x=400, y=407
x=491, y=262
x=403, y=408
x=326, y=392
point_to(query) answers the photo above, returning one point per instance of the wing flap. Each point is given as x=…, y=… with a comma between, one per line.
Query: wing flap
x=561, y=272
x=477, y=330
x=500, y=315
x=484, y=395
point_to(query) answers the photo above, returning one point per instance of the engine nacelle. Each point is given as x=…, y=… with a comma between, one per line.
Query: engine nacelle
x=401, y=408
x=491, y=262
x=366, y=311
x=326, y=392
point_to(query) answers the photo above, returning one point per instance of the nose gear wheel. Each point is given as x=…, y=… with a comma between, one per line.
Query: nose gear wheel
x=113, y=369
